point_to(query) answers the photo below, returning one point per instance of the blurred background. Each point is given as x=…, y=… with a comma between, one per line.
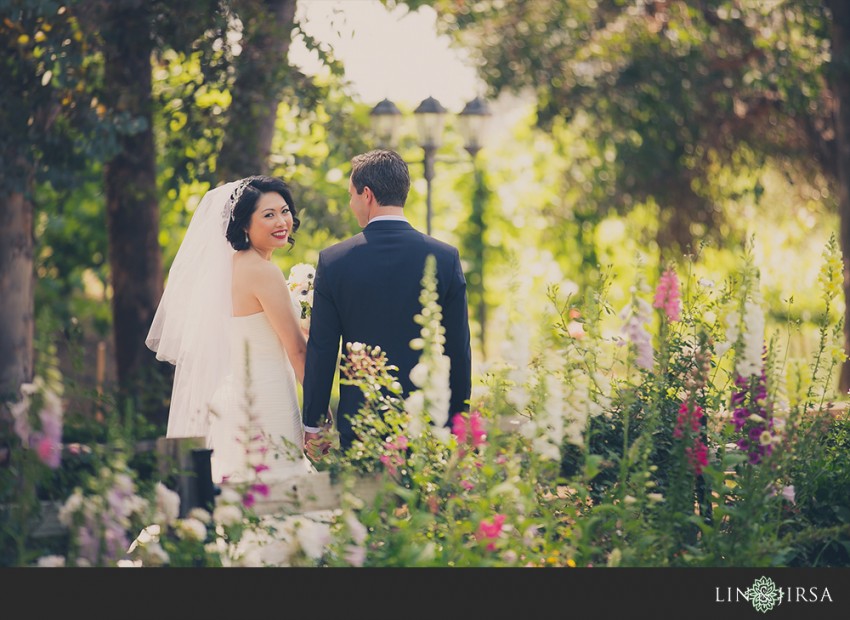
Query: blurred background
x=552, y=141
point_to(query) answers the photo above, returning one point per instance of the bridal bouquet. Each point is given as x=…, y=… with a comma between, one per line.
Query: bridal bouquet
x=300, y=282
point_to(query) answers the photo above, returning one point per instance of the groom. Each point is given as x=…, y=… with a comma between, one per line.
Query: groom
x=367, y=290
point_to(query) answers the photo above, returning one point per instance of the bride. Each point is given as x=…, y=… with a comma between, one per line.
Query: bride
x=229, y=324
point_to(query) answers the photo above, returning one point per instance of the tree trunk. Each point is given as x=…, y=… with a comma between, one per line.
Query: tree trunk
x=131, y=197
x=261, y=71
x=840, y=82
x=16, y=294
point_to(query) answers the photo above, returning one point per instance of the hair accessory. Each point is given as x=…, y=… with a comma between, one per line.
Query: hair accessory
x=234, y=198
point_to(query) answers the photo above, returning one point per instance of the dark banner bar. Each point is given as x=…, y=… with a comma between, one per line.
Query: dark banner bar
x=439, y=592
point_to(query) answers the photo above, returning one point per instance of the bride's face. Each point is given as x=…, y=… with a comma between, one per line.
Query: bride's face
x=271, y=223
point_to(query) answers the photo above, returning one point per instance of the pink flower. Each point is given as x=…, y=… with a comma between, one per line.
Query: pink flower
x=48, y=450
x=261, y=488
x=470, y=430
x=667, y=296
x=459, y=427
x=395, y=455
x=490, y=530
x=355, y=555
x=689, y=421
x=788, y=493
x=697, y=456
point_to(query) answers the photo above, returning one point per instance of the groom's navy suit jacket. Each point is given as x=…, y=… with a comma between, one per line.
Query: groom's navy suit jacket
x=367, y=290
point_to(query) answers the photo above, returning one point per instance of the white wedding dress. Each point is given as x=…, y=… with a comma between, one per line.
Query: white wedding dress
x=255, y=416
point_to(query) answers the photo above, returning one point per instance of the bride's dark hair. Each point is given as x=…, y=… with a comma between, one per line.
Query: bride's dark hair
x=247, y=204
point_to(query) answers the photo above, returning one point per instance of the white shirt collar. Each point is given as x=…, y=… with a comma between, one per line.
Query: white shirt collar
x=388, y=218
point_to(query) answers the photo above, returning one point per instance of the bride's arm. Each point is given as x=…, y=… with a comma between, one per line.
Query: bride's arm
x=273, y=294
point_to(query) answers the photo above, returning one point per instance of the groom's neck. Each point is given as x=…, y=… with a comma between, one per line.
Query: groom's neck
x=391, y=210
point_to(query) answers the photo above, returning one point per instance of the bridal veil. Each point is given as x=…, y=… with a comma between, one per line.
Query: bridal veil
x=190, y=327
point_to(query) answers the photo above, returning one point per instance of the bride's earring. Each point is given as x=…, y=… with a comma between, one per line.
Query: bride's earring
x=246, y=238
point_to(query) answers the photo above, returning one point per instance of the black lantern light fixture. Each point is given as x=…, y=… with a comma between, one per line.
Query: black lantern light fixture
x=386, y=122
x=430, y=120
x=472, y=124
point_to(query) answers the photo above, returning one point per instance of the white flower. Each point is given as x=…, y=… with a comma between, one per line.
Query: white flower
x=276, y=553
x=71, y=506
x=124, y=483
x=419, y=374
x=750, y=362
x=414, y=404
x=227, y=514
x=191, y=529
x=200, y=514
x=137, y=504
x=518, y=397
x=355, y=555
x=229, y=496
x=636, y=317
x=167, y=504
x=732, y=331
x=312, y=536
x=442, y=433
x=154, y=555
x=302, y=274
x=51, y=561
x=546, y=449
x=574, y=433
x=357, y=529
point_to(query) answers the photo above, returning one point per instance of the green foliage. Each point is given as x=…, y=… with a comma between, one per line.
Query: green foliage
x=52, y=123
x=663, y=91
x=557, y=466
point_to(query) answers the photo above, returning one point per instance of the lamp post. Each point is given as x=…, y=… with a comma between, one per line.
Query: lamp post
x=386, y=121
x=472, y=119
x=430, y=119
x=471, y=126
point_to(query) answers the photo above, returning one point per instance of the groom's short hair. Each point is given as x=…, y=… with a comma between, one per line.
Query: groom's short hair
x=385, y=173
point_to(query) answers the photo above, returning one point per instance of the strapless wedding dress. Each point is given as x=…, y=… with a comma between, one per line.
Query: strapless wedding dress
x=255, y=416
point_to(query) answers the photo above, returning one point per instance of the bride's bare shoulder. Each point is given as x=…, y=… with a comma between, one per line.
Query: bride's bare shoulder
x=251, y=267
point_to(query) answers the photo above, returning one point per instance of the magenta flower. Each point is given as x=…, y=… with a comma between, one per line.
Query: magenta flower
x=261, y=488
x=469, y=430
x=751, y=398
x=395, y=454
x=459, y=427
x=48, y=450
x=688, y=424
x=667, y=295
x=490, y=530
